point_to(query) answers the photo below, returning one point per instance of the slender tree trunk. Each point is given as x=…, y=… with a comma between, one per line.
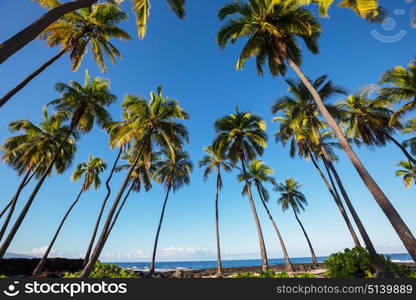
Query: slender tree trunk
x=104, y=233
x=263, y=253
x=22, y=38
x=119, y=210
x=219, y=266
x=288, y=264
x=11, y=201
x=29, y=202
x=336, y=199
x=107, y=196
x=152, y=264
x=314, y=259
x=391, y=213
x=350, y=226
x=375, y=258
x=42, y=262
x=13, y=204
x=402, y=148
x=29, y=78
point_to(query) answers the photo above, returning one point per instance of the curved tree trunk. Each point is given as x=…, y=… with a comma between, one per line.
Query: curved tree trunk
x=391, y=213
x=336, y=199
x=152, y=263
x=263, y=253
x=11, y=201
x=375, y=258
x=104, y=233
x=314, y=259
x=217, y=230
x=22, y=38
x=402, y=148
x=29, y=78
x=107, y=196
x=353, y=234
x=29, y=202
x=42, y=262
x=12, y=204
x=288, y=264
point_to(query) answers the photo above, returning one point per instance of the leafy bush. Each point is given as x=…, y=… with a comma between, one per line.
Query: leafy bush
x=356, y=263
x=105, y=271
x=3, y=276
x=304, y=275
x=245, y=275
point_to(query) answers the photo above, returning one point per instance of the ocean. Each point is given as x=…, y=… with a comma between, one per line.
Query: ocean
x=198, y=265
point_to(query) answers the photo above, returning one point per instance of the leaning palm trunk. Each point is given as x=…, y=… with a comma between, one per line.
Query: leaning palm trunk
x=29, y=78
x=28, y=34
x=42, y=262
x=375, y=258
x=29, y=202
x=314, y=259
x=152, y=264
x=337, y=202
x=217, y=230
x=402, y=148
x=391, y=213
x=12, y=204
x=119, y=210
x=263, y=253
x=104, y=233
x=288, y=264
x=107, y=196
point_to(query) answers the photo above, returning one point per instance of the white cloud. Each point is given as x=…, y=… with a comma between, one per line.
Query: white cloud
x=41, y=251
x=138, y=254
x=184, y=252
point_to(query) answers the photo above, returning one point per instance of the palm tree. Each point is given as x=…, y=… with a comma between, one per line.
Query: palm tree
x=301, y=124
x=410, y=128
x=173, y=173
x=91, y=171
x=368, y=121
x=151, y=123
x=57, y=10
x=259, y=173
x=93, y=26
x=292, y=197
x=30, y=153
x=408, y=172
x=402, y=88
x=216, y=159
x=272, y=28
x=243, y=135
x=83, y=105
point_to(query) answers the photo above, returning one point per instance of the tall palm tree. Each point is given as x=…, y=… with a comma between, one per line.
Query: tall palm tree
x=402, y=87
x=216, y=159
x=271, y=28
x=243, y=135
x=292, y=197
x=29, y=153
x=410, y=128
x=408, y=172
x=173, y=173
x=368, y=121
x=151, y=123
x=92, y=26
x=84, y=105
x=57, y=10
x=91, y=171
x=301, y=124
x=258, y=174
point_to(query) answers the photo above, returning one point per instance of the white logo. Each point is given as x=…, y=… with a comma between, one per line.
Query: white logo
x=11, y=291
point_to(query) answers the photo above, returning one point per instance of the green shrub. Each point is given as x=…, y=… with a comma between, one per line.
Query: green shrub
x=245, y=275
x=304, y=275
x=105, y=271
x=3, y=276
x=356, y=263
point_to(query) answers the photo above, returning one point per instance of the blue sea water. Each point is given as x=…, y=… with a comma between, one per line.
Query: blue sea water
x=198, y=265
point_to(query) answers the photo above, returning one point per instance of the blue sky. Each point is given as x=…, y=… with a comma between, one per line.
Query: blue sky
x=184, y=58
